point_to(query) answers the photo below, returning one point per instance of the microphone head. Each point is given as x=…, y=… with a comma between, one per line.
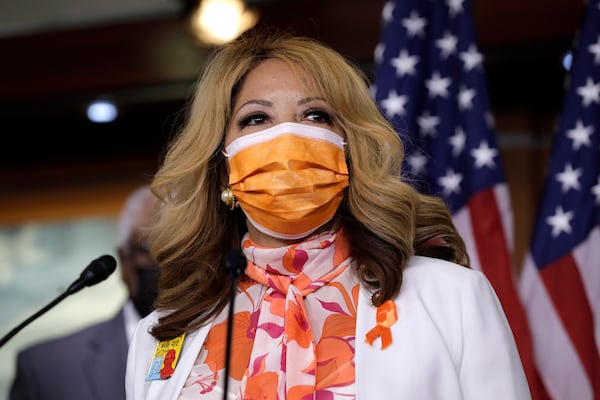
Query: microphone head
x=99, y=270
x=234, y=262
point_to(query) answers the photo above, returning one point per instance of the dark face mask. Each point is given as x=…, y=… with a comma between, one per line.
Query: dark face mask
x=148, y=289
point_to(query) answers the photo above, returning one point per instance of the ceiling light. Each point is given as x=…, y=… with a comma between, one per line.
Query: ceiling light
x=216, y=22
x=102, y=111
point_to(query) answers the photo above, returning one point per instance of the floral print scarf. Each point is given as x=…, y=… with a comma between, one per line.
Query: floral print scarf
x=293, y=327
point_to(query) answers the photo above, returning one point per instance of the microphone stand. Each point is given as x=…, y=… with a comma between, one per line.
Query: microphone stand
x=235, y=264
x=23, y=324
x=98, y=270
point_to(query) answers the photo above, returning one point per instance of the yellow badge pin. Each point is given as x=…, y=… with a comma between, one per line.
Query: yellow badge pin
x=165, y=358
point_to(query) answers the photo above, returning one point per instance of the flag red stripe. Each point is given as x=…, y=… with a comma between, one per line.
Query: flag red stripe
x=565, y=287
x=496, y=264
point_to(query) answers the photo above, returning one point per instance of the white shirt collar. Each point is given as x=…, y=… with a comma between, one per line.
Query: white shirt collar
x=131, y=317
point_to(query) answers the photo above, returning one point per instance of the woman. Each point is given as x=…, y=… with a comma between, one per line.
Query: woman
x=285, y=155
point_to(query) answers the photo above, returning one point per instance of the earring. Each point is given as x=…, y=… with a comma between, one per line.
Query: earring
x=228, y=198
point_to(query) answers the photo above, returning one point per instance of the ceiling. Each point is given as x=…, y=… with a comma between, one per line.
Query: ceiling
x=57, y=55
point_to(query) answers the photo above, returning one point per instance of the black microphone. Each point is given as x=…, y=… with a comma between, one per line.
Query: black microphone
x=97, y=271
x=234, y=264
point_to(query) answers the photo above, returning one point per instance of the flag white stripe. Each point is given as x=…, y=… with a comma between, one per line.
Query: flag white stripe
x=563, y=373
x=587, y=257
x=462, y=221
x=502, y=195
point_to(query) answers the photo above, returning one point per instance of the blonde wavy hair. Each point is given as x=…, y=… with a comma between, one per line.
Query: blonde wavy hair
x=385, y=219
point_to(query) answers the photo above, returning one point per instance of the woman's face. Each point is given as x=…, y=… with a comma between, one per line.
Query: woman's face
x=273, y=94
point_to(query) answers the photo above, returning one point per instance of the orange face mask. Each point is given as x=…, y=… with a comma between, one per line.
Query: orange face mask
x=288, y=179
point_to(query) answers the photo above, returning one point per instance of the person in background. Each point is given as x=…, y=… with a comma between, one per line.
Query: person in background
x=285, y=156
x=90, y=364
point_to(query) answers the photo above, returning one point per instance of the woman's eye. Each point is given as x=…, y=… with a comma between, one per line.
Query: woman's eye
x=318, y=116
x=253, y=119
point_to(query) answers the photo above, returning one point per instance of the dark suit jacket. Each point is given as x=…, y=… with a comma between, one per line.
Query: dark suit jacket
x=86, y=365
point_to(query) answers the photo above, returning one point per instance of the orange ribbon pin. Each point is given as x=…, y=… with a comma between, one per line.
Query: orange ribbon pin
x=386, y=316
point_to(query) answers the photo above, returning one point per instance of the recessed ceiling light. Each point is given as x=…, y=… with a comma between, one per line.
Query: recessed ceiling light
x=102, y=111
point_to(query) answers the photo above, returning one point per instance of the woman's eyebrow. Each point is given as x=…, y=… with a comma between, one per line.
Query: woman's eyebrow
x=255, y=101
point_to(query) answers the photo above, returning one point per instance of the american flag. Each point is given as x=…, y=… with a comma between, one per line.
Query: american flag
x=430, y=84
x=560, y=282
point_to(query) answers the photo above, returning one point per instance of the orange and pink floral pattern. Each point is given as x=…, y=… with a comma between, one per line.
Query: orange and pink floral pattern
x=293, y=329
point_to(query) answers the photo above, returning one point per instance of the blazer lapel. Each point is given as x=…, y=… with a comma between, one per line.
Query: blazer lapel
x=170, y=388
x=374, y=366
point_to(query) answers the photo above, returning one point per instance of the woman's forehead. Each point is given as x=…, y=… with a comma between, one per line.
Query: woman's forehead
x=275, y=74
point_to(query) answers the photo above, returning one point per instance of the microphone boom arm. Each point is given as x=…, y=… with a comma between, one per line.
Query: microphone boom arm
x=97, y=271
x=23, y=324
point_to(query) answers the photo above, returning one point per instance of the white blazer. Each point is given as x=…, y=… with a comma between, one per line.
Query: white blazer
x=451, y=341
